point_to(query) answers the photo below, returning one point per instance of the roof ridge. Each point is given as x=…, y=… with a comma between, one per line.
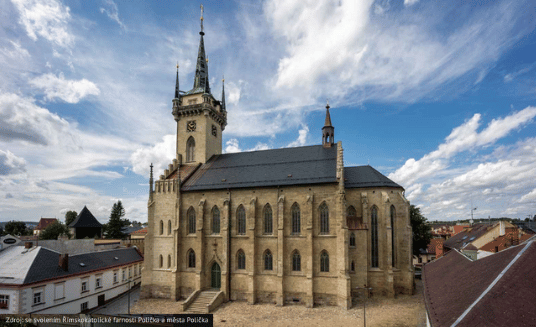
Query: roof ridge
x=495, y=281
x=272, y=164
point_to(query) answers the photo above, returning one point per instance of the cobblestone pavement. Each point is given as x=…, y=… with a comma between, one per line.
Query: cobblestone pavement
x=405, y=310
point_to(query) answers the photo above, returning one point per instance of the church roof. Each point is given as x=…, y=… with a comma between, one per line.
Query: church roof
x=290, y=166
x=366, y=176
x=85, y=219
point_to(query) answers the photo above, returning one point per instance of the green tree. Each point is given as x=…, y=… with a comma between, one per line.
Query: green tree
x=70, y=216
x=421, y=229
x=116, y=223
x=1, y=231
x=54, y=230
x=17, y=228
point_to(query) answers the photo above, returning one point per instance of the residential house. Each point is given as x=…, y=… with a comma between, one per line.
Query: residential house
x=34, y=279
x=43, y=223
x=497, y=290
x=433, y=250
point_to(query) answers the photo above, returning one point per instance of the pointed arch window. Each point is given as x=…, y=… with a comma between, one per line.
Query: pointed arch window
x=190, y=149
x=393, y=236
x=374, y=237
x=169, y=227
x=215, y=220
x=268, y=221
x=296, y=222
x=324, y=219
x=191, y=259
x=241, y=220
x=296, y=261
x=240, y=260
x=191, y=221
x=324, y=261
x=268, y=262
x=161, y=227
x=352, y=239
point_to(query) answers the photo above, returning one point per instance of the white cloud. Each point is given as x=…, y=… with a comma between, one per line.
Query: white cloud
x=46, y=18
x=462, y=138
x=410, y=2
x=340, y=49
x=160, y=155
x=302, y=138
x=11, y=164
x=16, y=52
x=231, y=146
x=70, y=91
x=112, y=12
x=22, y=120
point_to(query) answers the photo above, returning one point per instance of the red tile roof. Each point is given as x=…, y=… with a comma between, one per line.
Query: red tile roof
x=140, y=231
x=434, y=243
x=507, y=240
x=44, y=222
x=454, y=283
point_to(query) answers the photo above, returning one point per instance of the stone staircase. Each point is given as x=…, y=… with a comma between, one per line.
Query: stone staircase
x=201, y=302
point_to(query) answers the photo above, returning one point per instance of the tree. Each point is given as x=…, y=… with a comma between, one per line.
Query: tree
x=70, y=216
x=1, y=231
x=17, y=228
x=116, y=223
x=52, y=231
x=421, y=229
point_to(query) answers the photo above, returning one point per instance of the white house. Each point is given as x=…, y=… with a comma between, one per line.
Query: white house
x=39, y=280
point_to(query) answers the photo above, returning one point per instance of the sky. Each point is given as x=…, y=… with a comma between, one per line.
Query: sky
x=440, y=96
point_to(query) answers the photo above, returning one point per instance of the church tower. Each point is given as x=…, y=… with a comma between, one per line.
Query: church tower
x=328, y=131
x=200, y=118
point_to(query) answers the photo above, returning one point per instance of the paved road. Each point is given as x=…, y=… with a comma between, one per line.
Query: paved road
x=120, y=305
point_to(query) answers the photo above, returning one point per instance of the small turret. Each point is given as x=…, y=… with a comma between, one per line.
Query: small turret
x=328, y=131
x=177, y=99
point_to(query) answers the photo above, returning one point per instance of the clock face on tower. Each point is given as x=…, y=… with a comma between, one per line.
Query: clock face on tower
x=190, y=127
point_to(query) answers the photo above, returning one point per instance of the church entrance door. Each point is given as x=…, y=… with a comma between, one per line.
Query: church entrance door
x=216, y=276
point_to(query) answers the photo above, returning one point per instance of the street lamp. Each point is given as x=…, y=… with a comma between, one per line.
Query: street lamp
x=368, y=289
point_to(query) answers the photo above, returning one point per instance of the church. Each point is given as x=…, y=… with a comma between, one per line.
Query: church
x=278, y=226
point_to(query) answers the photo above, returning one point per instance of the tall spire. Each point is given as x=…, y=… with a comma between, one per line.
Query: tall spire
x=151, y=182
x=201, y=69
x=328, y=131
x=177, y=83
x=223, y=93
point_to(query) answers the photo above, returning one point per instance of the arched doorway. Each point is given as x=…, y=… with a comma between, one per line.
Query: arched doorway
x=216, y=276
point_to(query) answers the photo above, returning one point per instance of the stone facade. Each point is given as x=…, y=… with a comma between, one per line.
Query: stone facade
x=334, y=240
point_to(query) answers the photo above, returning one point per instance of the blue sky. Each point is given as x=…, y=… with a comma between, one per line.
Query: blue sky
x=439, y=96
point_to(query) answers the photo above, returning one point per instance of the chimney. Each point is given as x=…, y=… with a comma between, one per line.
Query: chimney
x=64, y=261
x=28, y=245
x=502, y=228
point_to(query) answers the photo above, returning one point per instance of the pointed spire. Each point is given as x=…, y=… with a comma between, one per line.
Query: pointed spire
x=223, y=93
x=177, y=83
x=201, y=69
x=151, y=180
x=328, y=117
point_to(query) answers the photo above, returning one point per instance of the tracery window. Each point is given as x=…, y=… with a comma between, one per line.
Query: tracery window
x=324, y=219
x=215, y=220
x=374, y=237
x=191, y=259
x=393, y=237
x=241, y=220
x=268, y=220
x=296, y=261
x=268, y=263
x=352, y=239
x=191, y=221
x=240, y=260
x=296, y=222
x=324, y=261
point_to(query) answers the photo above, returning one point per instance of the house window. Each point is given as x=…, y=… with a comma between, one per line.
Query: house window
x=98, y=282
x=352, y=239
x=241, y=220
x=324, y=261
x=83, y=306
x=38, y=297
x=296, y=261
x=374, y=237
x=215, y=220
x=190, y=149
x=115, y=277
x=393, y=236
x=59, y=291
x=84, y=286
x=268, y=263
x=191, y=220
x=296, y=228
x=135, y=270
x=324, y=219
x=4, y=301
x=191, y=259
x=129, y=272
x=140, y=269
x=268, y=221
x=241, y=260
x=124, y=273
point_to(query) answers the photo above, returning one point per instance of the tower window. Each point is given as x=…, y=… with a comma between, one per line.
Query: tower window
x=352, y=239
x=324, y=261
x=190, y=150
x=191, y=259
x=241, y=260
x=268, y=264
x=296, y=261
